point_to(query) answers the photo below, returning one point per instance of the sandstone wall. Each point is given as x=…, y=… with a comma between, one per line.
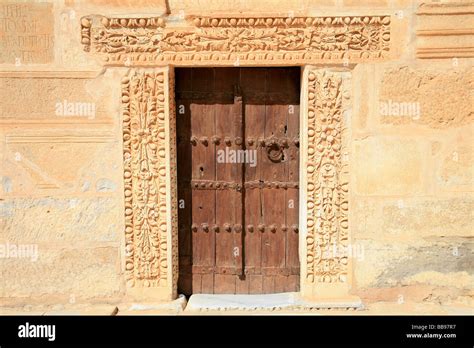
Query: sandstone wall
x=412, y=180
x=411, y=155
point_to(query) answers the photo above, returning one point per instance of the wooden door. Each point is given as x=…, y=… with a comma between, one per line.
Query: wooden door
x=238, y=158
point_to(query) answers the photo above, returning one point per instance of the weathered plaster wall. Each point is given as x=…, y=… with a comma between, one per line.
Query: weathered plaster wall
x=411, y=175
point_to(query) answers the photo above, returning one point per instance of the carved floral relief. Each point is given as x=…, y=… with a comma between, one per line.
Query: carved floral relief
x=145, y=167
x=149, y=40
x=327, y=184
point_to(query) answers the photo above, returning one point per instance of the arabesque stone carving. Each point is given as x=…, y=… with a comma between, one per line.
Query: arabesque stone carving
x=237, y=40
x=147, y=126
x=327, y=180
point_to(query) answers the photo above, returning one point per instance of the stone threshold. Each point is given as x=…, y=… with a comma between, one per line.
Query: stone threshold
x=169, y=307
x=266, y=302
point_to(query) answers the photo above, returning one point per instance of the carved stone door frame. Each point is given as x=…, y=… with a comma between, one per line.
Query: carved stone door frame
x=149, y=130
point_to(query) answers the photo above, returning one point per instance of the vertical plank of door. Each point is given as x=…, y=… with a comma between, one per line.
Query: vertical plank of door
x=273, y=243
x=254, y=129
x=238, y=175
x=292, y=205
x=183, y=113
x=228, y=201
x=252, y=81
x=183, y=133
x=292, y=208
x=203, y=168
x=184, y=196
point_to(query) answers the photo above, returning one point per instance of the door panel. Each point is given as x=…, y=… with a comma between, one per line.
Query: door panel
x=238, y=220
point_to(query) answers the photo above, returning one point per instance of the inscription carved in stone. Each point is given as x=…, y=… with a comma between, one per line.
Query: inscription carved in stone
x=26, y=33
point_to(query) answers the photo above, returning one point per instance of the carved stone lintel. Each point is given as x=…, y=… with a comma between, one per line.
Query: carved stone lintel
x=245, y=40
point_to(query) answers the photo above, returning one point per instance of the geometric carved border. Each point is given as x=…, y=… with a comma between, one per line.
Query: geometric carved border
x=149, y=163
x=237, y=40
x=327, y=177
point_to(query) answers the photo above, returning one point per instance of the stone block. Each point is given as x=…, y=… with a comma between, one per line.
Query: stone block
x=61, y=220
x=412, y=219
x=62, y=275
x=401, y=263
x=435, y=97
x=387, y=166
x=55, y=98
x=457, y=167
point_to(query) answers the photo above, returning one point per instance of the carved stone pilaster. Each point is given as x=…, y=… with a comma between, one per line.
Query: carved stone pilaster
x=149, y=180
x=327, y=264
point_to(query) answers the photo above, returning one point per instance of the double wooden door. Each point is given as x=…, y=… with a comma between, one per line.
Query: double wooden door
x=238, y=161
